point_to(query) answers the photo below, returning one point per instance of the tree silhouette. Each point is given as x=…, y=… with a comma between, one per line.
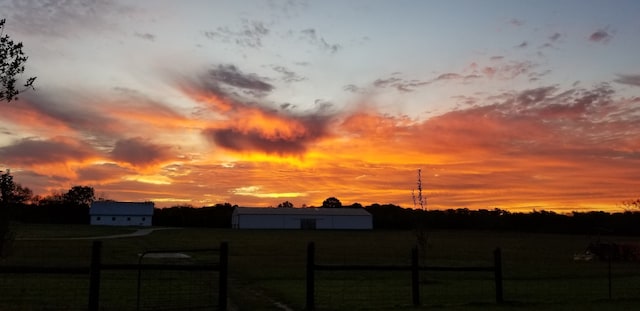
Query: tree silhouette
x=285, y=204
x=80, y=196
x=332, y=202
x=7, y=187
x=12, y=61
x=9, y=194
x=631, y=205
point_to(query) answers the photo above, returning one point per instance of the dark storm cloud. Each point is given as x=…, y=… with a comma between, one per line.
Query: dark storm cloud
x=601, y=35
x=30, y=151
x=249, y=34
x=232, y=76
x=139, y=152
x=628, y=79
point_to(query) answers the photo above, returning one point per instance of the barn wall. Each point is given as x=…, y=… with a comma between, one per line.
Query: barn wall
x=109, y=220
x=262, y=221
x=353, y=222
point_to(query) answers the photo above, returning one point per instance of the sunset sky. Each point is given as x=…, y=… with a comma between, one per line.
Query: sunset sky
x=518, y=105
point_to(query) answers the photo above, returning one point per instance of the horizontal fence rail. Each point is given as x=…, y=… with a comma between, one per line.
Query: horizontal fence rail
x=96, y=267
x=415, y=269
x=44, y=270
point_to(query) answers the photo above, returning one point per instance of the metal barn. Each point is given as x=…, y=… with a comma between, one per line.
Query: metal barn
x=301, y=218
x=111, y=213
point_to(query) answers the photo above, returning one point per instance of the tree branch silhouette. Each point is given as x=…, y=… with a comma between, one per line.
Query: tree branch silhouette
x=12, y=60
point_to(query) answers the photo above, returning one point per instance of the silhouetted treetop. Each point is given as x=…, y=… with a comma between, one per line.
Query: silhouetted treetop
x=80, y=195
x=12, y=60
x=332, y=202
x=285, y=204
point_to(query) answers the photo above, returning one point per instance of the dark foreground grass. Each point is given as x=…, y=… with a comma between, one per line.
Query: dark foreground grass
x=267, y=271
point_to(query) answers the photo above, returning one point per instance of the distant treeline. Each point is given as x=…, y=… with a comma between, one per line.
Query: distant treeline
x=385, y=216
x=394, y=217
x=388, y=216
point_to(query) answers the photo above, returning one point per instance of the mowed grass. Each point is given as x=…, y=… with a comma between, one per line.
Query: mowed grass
x=267, y=270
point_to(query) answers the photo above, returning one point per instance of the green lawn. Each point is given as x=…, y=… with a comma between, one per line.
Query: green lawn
x=46, y=231
x=268, y=268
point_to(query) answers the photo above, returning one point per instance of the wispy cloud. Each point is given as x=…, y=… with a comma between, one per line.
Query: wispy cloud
x=555, y=37
x=230, y=75
x=318, y=41
x=62, y=18
x=250, y=34
x=288, y=75
x=145, y=36
x=516, y=22
x=601, y=35
x=628, y=79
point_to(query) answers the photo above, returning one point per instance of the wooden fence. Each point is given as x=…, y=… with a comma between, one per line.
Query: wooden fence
x=415, y=269
x=96, y=267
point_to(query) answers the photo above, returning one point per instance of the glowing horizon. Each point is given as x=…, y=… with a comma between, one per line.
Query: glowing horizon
x=255, y=105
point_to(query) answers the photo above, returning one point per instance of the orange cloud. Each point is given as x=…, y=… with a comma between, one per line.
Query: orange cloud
x=52, y=157
x=542, y=148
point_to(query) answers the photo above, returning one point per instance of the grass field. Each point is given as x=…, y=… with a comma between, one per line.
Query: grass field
x=267, y=271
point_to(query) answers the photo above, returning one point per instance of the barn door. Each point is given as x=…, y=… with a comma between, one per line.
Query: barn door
x=308, y=224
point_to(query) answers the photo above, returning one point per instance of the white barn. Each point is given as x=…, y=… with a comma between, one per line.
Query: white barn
x=301, y=218
x=111, y=213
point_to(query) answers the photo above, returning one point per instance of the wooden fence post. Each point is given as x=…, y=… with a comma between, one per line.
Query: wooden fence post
x=223, y=276
x=415, y=277
x=311, y=250
x=497, y=266
x=94, y=276
x=609, y=272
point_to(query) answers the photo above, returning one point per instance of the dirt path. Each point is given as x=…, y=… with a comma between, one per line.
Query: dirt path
x=137, y=233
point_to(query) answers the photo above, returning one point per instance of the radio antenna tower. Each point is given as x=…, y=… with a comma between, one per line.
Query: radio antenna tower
x=422, y=200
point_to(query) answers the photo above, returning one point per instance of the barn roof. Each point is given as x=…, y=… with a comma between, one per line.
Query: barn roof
x=113, y=208
x=301, y=211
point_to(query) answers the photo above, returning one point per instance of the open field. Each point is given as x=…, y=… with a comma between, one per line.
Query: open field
x=267, y=270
